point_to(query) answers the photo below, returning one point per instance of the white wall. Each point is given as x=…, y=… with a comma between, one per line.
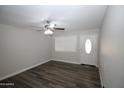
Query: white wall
x=74, y=56
x=112, y=48
x=21, y=49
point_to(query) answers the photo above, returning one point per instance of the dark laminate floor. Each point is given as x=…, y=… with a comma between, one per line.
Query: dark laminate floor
x=56, y=74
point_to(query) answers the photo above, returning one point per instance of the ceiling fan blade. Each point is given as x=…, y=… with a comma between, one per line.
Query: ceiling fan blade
x=39, y=30
x=37, y=27
x=59, y=28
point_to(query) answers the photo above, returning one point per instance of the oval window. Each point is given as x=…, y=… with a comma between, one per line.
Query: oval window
x=88, y=46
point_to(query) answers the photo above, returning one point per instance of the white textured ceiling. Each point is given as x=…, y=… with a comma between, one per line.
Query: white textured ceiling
x=71, y=17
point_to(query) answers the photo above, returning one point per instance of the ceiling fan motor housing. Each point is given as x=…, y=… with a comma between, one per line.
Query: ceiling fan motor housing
x=50, y=26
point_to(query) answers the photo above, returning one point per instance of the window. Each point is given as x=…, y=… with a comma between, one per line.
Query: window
x=65, y=44
x=88, y=46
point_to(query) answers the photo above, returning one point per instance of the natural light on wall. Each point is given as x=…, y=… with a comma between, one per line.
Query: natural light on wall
x=65, y=44
x=88, y=46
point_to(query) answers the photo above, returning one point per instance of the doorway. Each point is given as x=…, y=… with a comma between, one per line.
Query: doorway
x=88, y=49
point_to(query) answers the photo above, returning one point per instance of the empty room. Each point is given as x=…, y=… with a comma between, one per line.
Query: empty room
x=61, y=46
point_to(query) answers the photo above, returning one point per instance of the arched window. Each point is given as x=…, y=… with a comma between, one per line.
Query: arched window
x=88, y=46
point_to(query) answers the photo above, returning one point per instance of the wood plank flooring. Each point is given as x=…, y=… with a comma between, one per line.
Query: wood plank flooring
x=54, y=74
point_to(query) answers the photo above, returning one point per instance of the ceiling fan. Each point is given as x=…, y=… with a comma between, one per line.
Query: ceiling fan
x=50, y=27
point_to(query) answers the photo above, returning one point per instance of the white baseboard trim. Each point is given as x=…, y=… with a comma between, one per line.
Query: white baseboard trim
x=22, y=70
x=101, y=78
x=70, y=62
x=65, y=61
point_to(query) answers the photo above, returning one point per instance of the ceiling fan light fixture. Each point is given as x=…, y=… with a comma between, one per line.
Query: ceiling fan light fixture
x=48, y=32
x=52, y=25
